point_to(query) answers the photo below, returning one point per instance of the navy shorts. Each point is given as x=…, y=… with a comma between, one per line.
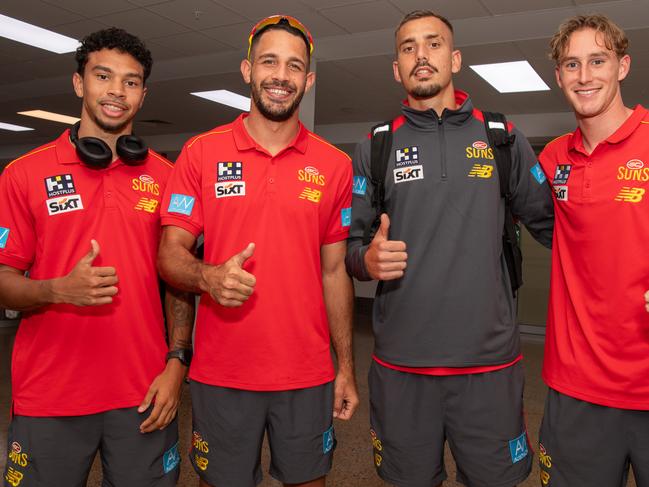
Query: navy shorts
x=229, y=426
x=59, y=451
x=480, y=415
x=585, y=444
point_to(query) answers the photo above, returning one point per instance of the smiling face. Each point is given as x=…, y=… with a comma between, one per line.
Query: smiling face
x=589, y=74
x=277, y=73
x=112, y=88
x=425, y=60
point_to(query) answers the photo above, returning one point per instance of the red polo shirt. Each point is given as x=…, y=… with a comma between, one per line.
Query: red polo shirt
x=597, y=339
x=70, y=360
x=227, y=187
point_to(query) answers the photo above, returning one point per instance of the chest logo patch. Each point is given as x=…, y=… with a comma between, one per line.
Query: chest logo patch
x=311, y=175
x=561, y=174
x=150, y=205
x=479, y=150
x=228, y=189
x=561, y=192
x=630, y=195
x=484, y=171
x=65, y=204
x=145, y=184
x=633, y=170
x=407, y=174
x=229, y=171
x=406, y=156
x=310, y=194
x=59, y=185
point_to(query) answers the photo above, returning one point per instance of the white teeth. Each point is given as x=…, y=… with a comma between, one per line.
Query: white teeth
x=586, y=92
x=278, y=92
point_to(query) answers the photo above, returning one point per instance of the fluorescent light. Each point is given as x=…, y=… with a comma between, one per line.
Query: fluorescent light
x=54, y=117
x=13, y=128
x=17, y=30
x=514, y=77
x=226, y=98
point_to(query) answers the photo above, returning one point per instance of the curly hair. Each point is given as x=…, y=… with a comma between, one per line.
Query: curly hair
x=114, y=38
x=614, y=37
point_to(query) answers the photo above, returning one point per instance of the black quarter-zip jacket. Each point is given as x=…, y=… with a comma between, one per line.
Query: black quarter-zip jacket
x=453, y=307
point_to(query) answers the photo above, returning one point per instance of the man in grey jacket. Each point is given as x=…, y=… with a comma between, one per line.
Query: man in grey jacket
x=447, y=356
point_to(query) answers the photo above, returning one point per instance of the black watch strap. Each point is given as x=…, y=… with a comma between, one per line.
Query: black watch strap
x=183, y=354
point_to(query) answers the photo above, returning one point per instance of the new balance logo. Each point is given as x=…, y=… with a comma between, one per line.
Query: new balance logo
x=483, y=171
x=630, y=195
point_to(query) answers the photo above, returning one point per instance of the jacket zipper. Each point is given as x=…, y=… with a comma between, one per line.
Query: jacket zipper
x=442, y=147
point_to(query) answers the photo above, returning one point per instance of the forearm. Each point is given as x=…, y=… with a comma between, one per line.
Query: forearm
x=180, y=268
x=179, y=311
x=21, y=293
x=339, y=302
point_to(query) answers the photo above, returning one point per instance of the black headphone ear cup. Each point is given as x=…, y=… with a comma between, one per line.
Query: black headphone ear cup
x=132, y=149
x=92, y=151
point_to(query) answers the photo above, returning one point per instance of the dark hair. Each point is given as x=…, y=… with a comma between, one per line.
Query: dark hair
x=114, y=38
x=420, y=14
x=285, y=26
x=614, y=37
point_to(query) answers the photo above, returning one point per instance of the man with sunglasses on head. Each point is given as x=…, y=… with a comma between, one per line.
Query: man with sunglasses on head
x=273, y=203
x=81, y=214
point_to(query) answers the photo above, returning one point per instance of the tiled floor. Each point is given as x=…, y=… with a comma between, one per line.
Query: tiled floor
x=352, y=464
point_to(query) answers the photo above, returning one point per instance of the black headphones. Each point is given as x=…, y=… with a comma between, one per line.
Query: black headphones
x=96, y=154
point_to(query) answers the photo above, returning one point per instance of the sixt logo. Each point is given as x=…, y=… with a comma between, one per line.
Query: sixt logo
x=561, y=192
x=59, y=185
x=227, y=189
x=56, y=206
x=229, y=171
x=479, y=150
x=409, y=173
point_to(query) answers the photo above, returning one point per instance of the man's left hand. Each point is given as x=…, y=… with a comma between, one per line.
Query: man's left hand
x=345, y=396
x=164, y=393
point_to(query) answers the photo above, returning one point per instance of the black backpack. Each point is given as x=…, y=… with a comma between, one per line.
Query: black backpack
x=501, y=141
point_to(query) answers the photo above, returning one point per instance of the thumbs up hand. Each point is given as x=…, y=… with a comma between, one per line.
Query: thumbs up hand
x=228, y=284
x=385, y=259
x=86, y=285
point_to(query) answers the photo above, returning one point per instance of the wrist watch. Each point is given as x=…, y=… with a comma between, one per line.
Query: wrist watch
x=183, y=354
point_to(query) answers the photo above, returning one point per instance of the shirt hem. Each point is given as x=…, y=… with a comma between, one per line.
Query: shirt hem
x=14, y=262
x=262, y=387
x=46, y=413
x=600, y=401
x=446, y=371
x=167, y=221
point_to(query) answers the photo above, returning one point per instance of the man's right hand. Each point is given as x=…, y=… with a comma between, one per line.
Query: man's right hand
x=86, y=285
x=228, y=284
x=385, y=259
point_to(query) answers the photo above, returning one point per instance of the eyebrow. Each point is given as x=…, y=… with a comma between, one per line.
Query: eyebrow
x=427, y=37
x=99, y=67
x=270, y=55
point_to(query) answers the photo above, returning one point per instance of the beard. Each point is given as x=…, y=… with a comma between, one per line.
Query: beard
x=426, y=91
x=272, y=111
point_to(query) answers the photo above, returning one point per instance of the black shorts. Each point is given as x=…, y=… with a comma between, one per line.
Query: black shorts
x=229, y=426
x=480, y=415
x=585, y=444
x=59, y=451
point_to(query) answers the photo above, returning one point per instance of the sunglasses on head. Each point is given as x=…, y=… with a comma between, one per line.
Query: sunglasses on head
x=279, y=19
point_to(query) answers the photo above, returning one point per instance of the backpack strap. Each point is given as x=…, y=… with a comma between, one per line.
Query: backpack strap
x=381, y=146
x=501, y=141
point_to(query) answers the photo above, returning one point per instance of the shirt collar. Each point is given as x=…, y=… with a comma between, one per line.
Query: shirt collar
x=244, y=141
x=623, y=132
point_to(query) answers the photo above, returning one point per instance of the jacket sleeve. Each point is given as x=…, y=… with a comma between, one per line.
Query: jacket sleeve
x=362, y=212
x=531, y=193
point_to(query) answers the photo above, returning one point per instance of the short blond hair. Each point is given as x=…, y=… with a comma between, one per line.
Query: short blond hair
x=614, y=37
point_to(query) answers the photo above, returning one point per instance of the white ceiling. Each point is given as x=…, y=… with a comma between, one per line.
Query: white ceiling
x=198, y=44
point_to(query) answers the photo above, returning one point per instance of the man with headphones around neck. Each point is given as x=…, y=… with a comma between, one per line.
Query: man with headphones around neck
x=81, y=215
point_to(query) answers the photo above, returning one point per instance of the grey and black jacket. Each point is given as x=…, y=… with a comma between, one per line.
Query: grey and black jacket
x=454, y=305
